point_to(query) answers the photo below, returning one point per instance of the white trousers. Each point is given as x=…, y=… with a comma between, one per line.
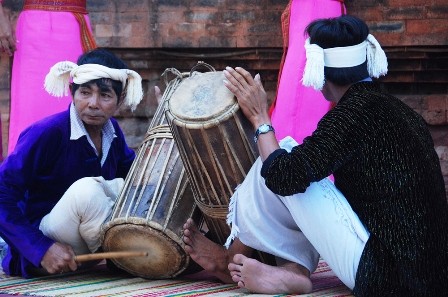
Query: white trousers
x=77, y=218
x=298, y=228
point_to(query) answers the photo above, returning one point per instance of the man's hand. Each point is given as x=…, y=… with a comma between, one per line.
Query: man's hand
x=250, y=94
x=59, y=258
x=252, y=99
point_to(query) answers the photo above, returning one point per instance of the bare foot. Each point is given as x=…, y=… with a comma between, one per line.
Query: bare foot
x=257, y=277
x=211, y=256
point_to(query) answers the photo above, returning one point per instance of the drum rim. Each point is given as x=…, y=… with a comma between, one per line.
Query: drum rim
x=192, y=123
x=174, y=120
x=138, y=222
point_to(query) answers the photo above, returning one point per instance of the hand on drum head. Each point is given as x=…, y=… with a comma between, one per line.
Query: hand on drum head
x=252, y=100
x=59, y=258
x=250, y=94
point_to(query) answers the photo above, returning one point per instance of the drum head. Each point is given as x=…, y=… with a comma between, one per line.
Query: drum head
x=166, y=258
x=202, y=97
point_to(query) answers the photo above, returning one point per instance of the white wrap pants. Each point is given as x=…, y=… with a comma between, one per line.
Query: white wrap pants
x=298, y=228
x=77, y=218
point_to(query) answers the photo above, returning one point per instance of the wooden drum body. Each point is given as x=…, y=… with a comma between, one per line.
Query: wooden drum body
x=155, y=202
x=211, y=133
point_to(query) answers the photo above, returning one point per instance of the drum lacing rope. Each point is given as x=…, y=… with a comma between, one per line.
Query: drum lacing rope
x=213, y=211
x=162, y=131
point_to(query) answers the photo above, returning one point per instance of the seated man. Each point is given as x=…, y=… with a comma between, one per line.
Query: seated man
x=382, y=225
x=59, y=184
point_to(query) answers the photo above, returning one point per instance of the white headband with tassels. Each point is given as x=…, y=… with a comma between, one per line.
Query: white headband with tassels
x=57, y=80
x=341, y=57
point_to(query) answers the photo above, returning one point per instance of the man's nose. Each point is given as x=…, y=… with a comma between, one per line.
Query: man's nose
x=93, y=100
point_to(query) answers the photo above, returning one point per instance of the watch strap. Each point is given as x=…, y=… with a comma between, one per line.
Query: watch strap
x=262, y=129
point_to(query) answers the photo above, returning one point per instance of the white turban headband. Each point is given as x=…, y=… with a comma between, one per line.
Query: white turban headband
x=58, y=79
x=342, y=57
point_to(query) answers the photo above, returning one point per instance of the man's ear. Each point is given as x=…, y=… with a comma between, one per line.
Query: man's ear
x=70, y=87
x=122, y=97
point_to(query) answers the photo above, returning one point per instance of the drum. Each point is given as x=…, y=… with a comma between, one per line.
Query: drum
x=155, y=202
x=211, y=133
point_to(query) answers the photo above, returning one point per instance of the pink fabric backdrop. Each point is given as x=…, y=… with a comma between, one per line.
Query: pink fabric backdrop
x=43, y=39
x=298, y=108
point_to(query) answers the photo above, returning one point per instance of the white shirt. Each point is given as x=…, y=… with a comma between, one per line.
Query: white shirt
x=77, y=130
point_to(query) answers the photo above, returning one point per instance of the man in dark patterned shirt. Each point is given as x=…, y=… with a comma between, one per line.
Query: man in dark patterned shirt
x=382, y=225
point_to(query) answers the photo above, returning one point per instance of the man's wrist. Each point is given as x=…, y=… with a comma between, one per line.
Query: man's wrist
x=263, y=129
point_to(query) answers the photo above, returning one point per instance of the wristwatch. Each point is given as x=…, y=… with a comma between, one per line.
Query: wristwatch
x=264, y=128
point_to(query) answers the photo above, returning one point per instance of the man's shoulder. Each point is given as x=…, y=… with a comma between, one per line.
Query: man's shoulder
x=114, y=123
x=54, y=124
x=117, y=127
x=54, y=121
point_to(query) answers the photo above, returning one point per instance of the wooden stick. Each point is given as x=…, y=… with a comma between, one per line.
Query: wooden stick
x=110, y=255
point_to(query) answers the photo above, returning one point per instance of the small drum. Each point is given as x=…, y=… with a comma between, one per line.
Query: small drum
x=211, y=133
x=153, y=205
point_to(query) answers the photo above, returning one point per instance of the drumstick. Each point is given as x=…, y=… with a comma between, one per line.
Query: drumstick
x=110, y=255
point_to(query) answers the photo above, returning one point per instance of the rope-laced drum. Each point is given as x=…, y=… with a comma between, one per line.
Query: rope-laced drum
x=211, y=133
x=155, y=202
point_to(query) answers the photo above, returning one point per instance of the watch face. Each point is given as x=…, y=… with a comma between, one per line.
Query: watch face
x=264, y=128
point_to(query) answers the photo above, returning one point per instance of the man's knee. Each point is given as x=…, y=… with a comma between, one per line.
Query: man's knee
x=88, y=193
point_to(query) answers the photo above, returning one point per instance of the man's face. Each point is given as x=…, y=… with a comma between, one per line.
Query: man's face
x=95, y=104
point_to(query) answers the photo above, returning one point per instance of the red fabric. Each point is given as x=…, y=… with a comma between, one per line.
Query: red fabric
x=76, y=6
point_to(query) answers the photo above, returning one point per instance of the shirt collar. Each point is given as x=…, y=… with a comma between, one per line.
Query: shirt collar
x=78, y=130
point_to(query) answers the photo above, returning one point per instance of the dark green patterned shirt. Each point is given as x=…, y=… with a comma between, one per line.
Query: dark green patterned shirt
x=382, y=157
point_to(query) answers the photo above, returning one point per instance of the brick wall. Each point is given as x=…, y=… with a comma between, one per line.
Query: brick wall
x=405, y=22
x=187, y=24
x=154, y=35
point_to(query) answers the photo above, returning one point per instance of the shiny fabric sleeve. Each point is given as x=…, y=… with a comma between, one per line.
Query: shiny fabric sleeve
x=338, y=137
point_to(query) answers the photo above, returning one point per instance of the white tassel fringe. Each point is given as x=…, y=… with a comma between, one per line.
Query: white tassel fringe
x=57, y=81
x=313, y=74
x=376, y=58
x=231, y=217
x=134, y=93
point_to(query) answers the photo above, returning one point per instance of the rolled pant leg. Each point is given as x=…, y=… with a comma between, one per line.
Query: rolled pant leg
x=327, y=220
x=291, y=227
x=77, y=218
x=260, y=220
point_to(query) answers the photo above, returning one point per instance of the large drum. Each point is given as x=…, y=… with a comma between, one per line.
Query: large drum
x=211, y=133
x=155, y=202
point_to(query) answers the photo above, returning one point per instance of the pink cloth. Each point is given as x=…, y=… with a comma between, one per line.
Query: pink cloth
x=298, y=108
x=43, y=39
